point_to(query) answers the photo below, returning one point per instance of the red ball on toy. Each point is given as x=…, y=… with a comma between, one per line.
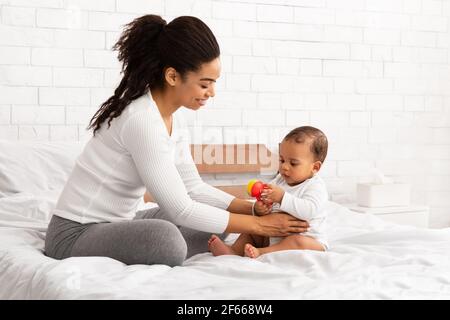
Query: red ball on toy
x=255, y=187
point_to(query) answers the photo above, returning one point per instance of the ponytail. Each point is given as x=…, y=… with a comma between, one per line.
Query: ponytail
x=147, y=46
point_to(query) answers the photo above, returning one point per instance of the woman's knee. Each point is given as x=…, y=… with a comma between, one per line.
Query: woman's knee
x=173, y=249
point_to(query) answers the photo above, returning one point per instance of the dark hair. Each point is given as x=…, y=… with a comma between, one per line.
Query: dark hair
x=147, y=47
x=319, y=142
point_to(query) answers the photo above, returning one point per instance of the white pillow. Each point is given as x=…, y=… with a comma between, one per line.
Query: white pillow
x=35, y=167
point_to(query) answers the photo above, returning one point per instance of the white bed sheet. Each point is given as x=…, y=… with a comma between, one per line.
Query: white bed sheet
x=368, y=259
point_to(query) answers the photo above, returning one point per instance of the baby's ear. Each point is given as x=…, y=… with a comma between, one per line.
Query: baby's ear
x=316, y=166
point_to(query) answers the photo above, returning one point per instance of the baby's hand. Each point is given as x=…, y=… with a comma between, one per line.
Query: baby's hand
x=261, y=209
x=272, y=194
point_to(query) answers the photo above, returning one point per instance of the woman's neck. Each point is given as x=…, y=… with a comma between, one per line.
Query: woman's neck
x=164, y=102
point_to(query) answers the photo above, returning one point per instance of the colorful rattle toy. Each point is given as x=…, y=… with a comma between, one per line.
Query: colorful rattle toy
x=254, y=188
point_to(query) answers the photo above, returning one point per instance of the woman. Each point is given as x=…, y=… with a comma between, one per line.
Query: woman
x=137, y=145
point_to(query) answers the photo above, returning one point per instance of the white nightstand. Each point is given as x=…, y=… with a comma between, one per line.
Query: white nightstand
x=413, y=215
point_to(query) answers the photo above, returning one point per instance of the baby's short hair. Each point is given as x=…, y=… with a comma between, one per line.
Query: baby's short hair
x=319, y=141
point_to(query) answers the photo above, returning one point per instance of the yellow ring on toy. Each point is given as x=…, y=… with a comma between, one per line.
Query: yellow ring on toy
x=250, y=186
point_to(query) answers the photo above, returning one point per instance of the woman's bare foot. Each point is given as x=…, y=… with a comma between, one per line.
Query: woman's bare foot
x=218, y=248
x=251, y=252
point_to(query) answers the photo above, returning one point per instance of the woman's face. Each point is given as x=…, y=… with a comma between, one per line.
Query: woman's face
x=199, y=86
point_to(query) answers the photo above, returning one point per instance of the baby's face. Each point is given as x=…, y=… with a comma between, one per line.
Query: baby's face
x=297, y=162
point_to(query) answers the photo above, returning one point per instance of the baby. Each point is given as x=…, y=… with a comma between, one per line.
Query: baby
x=296, y=190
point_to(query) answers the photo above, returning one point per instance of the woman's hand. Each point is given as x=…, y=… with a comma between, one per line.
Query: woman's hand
x=272, y=194
x=261, y=209
x=281, y=225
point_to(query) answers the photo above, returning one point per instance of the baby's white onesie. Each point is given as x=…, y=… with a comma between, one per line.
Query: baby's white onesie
x=305, y=201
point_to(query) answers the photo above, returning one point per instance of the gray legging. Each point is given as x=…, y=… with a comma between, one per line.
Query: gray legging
x=148, y=239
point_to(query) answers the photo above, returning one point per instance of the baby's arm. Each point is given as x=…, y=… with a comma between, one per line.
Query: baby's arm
x=305, y=207
x=272, y=194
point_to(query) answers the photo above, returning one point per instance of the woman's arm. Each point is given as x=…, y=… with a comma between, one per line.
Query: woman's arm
x=243, y=206
x=147, y=142
x=197, y=189
x=276, y=225
x=240, y=206
x=237, y=205
x=272, y=225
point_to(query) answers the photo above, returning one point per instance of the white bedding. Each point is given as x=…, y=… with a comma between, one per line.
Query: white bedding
x=368, y=259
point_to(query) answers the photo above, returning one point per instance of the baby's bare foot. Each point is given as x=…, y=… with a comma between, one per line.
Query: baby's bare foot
x=217, y=247
x=251, y=252
x=211, y=239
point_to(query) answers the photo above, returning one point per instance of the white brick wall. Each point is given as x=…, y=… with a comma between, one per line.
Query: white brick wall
x=373, y=74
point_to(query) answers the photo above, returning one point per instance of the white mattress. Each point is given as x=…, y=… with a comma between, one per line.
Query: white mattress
x=368, y=259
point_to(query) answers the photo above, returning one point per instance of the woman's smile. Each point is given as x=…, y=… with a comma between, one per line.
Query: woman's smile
x=202, y=102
